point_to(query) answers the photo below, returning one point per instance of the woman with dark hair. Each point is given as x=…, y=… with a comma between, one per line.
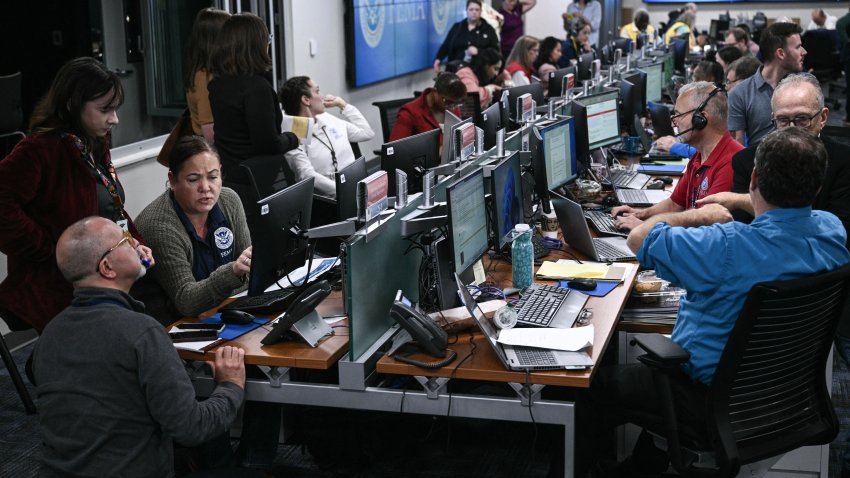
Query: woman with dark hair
x=521, y=61
x=547, y=60
x=727, y=55
x=513, y=26
x=205, y=31
x=577, y=42
x=466, y=37
x=483, y=74
x=199, y=232
x=58, y=175
x=244, y=104
x=428, y=112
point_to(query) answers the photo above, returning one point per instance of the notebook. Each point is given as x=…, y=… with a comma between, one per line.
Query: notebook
x=519, y=358
x=577, y=234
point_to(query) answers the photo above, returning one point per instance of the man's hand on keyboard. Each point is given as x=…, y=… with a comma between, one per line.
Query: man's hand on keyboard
x=627, y=221
x=627, y=210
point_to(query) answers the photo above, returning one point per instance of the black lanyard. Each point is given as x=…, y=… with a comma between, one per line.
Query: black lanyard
x=329, y=145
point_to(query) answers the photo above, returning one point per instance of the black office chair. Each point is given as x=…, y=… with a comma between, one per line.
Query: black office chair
x=17, y=380
x=11, y=114
x=822, y=59
x=769, y=394
x=389, y=112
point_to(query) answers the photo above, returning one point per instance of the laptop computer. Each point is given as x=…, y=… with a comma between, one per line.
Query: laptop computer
x=647, y=146
x=519, y=358
x=577, y=234
x=633, y=196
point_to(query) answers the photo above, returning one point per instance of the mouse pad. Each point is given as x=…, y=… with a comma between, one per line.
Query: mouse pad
x=602, y=288
x=231, y=331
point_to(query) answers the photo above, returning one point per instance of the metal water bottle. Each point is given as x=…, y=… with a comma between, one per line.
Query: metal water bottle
x=522, y=256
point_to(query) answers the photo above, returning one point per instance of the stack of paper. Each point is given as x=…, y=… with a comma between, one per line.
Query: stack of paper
x=566, y=269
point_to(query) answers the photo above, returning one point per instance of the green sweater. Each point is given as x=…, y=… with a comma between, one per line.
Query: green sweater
x=172, y=250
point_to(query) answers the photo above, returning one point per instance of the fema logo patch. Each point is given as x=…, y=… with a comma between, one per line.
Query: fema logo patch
x=372, y=20
x=440, y=16
x=223, y=238
x=703, y=186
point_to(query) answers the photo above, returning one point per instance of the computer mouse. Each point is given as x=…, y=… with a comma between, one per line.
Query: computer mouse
x=582, y=284
x=236, y=317
x=655, y=184
x=665, y=179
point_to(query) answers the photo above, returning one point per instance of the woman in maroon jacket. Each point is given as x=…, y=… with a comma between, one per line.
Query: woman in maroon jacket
x=59, y=174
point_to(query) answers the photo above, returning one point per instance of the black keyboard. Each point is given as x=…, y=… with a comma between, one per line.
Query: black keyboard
x=603, y=223
x=539, y=304
x=268, y=303
x=540, y=249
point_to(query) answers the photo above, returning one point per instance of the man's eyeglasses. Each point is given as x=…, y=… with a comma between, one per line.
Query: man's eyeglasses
x=799, y=121
x=126, y=237
x=679, y=115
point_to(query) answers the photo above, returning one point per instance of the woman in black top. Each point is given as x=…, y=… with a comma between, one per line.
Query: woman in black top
x=244, y=104
x=466, y=37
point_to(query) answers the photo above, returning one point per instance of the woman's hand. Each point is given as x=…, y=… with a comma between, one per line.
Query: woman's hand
x=331, y=101
x=436, y=67
x=471, y=51
x=242, y=264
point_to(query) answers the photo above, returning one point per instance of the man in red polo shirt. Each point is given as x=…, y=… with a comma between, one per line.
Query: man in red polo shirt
x=700, y=117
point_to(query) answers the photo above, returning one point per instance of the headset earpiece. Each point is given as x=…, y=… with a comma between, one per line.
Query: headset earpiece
x=698, y=119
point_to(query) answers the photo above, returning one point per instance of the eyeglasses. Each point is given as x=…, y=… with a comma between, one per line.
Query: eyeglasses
x=679, y=115
x=124, y=238
x=451, y=103
x=799, y=121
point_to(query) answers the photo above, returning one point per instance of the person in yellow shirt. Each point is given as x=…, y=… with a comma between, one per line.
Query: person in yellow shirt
x=684, y=25
x=639, y=26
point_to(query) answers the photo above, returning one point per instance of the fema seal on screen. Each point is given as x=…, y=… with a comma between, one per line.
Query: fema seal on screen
x=372, y=20
x=440, y=16
x=223, y=238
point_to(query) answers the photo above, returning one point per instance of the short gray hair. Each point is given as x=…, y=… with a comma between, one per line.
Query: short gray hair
x=717, y=107
x=795, y=80
x=78, y=250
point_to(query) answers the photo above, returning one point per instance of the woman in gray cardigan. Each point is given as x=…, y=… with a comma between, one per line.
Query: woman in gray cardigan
x=198, y=231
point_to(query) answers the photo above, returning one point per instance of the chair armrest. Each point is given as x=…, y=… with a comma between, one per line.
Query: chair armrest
x=661, y=351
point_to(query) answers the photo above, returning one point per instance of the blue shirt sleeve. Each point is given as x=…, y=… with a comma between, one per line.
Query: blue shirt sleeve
x=684, y=150
x=688, y=257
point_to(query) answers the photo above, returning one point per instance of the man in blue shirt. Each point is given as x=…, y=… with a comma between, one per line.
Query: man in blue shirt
x=717, y=261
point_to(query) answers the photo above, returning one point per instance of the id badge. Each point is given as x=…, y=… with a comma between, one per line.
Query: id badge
x=123, y=224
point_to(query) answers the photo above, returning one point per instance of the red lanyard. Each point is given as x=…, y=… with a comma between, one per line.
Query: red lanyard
x=111, y=186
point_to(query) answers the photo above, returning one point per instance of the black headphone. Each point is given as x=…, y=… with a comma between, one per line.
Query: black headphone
x=698, y=119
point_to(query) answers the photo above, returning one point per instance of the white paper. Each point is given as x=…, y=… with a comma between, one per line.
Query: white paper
x=570, y=340
x=318, y=269
x=194, y=346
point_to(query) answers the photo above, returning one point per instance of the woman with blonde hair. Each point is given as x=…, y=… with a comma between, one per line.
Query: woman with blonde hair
x=521, y=60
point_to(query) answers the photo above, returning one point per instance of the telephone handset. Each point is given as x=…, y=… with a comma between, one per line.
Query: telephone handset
x=422, y=328
x=301, y=306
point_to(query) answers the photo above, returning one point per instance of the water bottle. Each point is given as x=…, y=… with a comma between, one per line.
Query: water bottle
x=522, y=256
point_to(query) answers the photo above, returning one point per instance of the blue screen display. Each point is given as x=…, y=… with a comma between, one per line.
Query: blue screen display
x=397, y=37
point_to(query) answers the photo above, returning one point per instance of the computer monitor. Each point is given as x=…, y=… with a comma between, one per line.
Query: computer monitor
x=680, y=52
x=585, y=63
x=554, y=161
x=668, y=65
x=556, y=80
x=717, y=30
x=346, y=188
x=467, y=220
x=536, y=91
x=630, y=99
x=506, y=184
x=638, y=78
x=654, y=81
x=450, y=123
x=412, y=155
x=603, y=119
x=623, y=44
x=513, y=141
x=490, y=122
x=277, y=247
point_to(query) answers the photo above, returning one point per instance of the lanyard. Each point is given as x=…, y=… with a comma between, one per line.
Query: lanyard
x=328, y=145
x=111, y=186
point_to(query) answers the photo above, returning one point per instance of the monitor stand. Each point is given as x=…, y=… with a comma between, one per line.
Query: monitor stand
x=312, y=328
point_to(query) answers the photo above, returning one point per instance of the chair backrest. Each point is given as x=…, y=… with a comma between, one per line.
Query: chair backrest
x=821, y=50
x=769, y=393
x=265, y=174
x=389, y=112
x=11, y=114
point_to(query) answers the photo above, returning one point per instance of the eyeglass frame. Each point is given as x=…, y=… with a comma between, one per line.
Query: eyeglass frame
x=793, y=121
x=126, y=237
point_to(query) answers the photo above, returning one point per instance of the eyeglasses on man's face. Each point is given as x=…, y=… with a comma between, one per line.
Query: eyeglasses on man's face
x=126, y=237
x=801, y=121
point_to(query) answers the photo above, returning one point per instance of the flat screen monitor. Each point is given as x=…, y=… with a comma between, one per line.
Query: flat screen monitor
x=346, y=187
x=623, y=44
x=630, y=96
x=490, y=122
x=450, y=123
x=668, y=65
x=717, y=30
x=556, y=80
x=654, y=81
x=278, y=249
x=638, y=78
x=413, y=155
x=680, y=52
x=536, y=91
x=506, y=184
x=467, y=220
x=559, y=153
x=585, y=63
x=603, y=118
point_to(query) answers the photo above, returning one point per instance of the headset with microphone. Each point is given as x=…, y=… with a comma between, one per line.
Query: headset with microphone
x=698, y=119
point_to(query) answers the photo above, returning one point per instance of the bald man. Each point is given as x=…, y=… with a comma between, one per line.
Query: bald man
x=113, y=393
